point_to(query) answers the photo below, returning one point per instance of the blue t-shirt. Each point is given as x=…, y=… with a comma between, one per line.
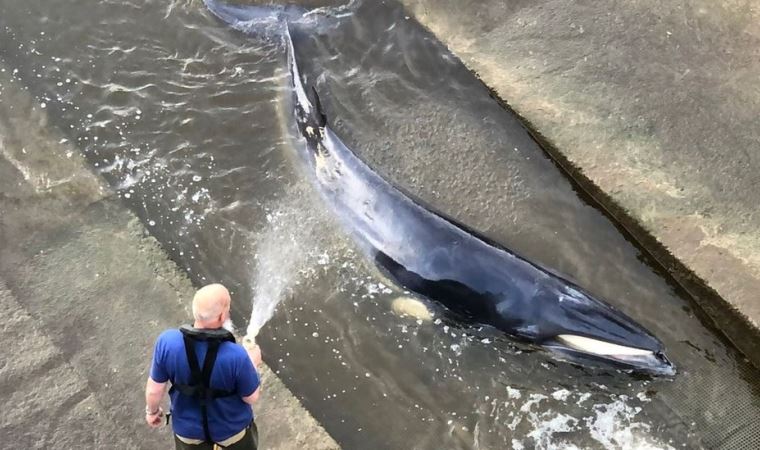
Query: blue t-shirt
x=233, y=371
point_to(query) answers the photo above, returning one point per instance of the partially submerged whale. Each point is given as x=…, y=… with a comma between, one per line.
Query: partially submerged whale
x=245, y=18
x=269, y=19
x=437, y=258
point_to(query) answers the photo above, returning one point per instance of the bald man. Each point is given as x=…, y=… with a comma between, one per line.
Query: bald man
x=214, y=381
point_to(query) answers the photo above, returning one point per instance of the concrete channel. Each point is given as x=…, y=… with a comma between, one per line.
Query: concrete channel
x=86, y=290
x=651, y=107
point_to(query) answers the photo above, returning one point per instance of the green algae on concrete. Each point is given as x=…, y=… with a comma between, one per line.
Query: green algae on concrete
x=86, y=290
x=652, y=107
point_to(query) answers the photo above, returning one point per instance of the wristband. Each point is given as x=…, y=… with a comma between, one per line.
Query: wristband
x=152, y=413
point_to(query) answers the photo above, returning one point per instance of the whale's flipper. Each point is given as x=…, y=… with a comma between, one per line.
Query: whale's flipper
x=318, y=112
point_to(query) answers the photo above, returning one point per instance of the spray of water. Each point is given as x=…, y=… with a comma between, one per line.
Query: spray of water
x=288, y=251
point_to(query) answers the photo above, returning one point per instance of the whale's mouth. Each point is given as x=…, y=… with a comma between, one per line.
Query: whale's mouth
x=582, y=348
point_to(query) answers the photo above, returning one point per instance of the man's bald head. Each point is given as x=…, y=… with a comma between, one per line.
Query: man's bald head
x=211, y=305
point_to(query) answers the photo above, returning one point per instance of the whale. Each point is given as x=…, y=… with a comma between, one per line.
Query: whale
x=267, y=21
x=250, y=18
x=436, y=257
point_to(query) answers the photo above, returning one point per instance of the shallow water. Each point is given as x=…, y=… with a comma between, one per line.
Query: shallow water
x=188, y=120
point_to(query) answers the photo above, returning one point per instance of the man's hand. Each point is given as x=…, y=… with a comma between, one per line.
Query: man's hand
x=155, y=420
x=254, y=352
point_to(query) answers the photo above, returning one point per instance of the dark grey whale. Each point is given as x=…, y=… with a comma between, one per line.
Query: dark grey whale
x=439, y=259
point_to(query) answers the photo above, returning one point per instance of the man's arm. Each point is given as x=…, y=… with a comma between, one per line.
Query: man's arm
x=254, y=353
x=253, y=398
x=154, y=392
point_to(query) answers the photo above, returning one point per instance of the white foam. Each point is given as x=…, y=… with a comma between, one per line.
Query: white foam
x=513, y=393
x=612, y=425
x=539, y=421
x=561, y=395
x=544, y=431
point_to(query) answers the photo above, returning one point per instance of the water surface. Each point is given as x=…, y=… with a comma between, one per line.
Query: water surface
x=189, y=122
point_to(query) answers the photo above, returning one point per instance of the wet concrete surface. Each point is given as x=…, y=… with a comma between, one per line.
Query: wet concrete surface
x=652, y=107
x=85, y=291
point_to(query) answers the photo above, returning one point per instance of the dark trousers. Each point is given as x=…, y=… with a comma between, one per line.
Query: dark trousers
x=250, y=441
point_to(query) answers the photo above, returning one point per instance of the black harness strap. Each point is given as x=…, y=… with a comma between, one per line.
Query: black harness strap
x=192, y=360
x=198, y=380
x=199, y=386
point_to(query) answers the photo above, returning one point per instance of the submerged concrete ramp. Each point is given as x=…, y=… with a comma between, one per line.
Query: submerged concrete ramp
x=653, y=108
x=85, y=291
x=53, y=406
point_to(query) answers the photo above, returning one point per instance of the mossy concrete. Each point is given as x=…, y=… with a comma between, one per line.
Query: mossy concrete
x=85, y=291
x=652, y=108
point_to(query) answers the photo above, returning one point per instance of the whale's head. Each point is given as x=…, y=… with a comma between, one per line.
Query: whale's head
x=579, y=328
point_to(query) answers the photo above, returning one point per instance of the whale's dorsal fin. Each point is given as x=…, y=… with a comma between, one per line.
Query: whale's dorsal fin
x=319, y=113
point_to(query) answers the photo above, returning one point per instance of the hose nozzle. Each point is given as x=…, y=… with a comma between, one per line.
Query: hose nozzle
x=249, y=341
